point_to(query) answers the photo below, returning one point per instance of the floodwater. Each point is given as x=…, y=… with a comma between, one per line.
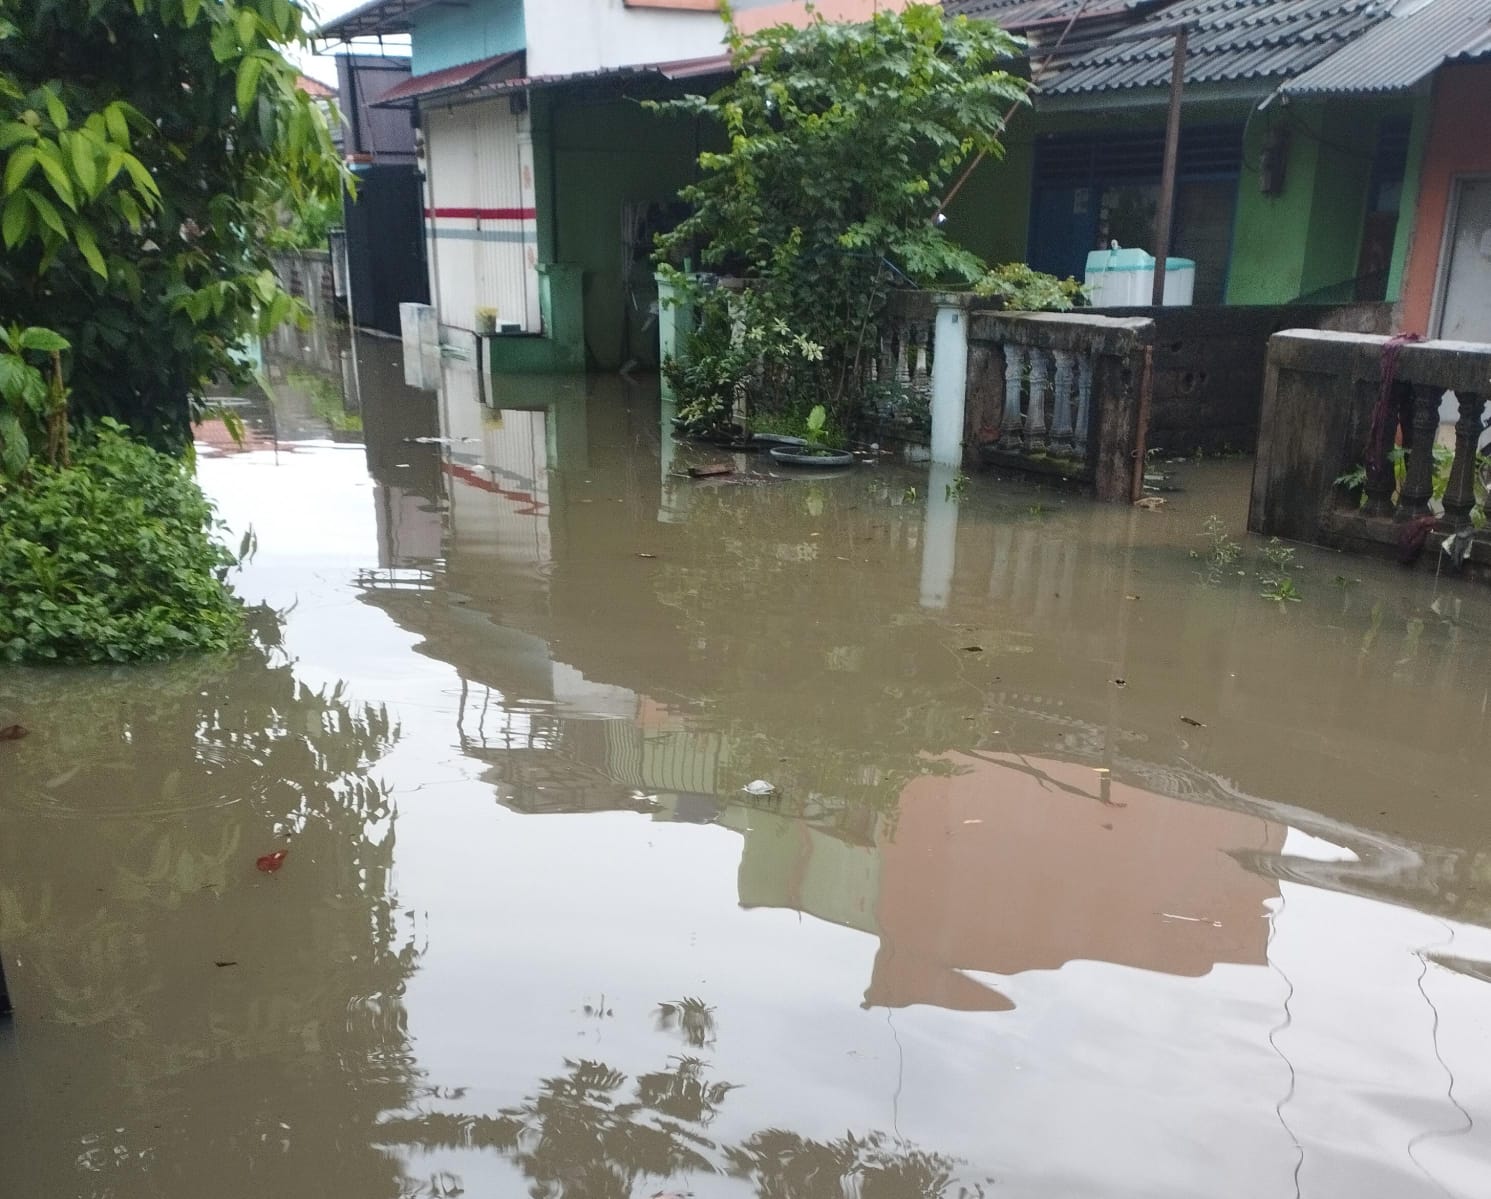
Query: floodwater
x=1084, y=875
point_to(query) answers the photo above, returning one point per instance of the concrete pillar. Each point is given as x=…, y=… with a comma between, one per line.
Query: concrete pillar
x=675, y=321
x=949, y=381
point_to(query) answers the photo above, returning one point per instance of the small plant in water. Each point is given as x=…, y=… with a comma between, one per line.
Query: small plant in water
x=958, y=488
x=909, y=495
x=1280, y=557
x=1037, y=510
x=1281, y=591
x=1277, y=585
x=1221, y=551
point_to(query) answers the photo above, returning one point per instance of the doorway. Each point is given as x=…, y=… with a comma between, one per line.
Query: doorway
x=1462, y=309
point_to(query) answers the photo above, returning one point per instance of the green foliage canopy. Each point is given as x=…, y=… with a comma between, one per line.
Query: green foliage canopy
x=841, y=140
x=147, y=150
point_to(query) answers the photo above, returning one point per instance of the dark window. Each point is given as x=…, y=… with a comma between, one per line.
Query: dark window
x=1094, y=189
x=1384, y=197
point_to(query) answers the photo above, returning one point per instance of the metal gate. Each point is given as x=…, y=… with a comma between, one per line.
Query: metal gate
x=480, y=219
x=385, y=256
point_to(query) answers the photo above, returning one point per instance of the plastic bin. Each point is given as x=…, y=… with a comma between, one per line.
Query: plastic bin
x=1120, y=278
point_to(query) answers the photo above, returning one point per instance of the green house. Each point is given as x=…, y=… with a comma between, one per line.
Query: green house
x=1281, y=198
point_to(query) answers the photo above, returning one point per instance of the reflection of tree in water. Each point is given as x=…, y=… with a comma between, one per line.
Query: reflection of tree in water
x=577, y=1138
x=784, y=1165
x=229, y=1020
x=691, y=1016
x=580, y=1136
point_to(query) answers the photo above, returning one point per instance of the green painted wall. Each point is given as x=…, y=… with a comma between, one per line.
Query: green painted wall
x=606, y=155
x=1305, y=242
x=1418, y=134
x=991, y=214
x=1345, y=138
x=1268, y=235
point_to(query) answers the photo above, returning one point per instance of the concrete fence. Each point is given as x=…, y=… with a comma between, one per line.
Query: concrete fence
x=1053, y=394
x=1327, y=410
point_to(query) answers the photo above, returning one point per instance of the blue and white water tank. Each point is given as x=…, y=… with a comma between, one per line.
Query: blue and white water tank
x=1120, y=278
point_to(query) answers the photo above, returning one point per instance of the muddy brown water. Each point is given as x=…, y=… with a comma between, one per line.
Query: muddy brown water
x=1007, y=926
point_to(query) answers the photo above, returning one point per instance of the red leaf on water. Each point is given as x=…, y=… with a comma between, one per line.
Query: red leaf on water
x=13, y=732
x=271, y=862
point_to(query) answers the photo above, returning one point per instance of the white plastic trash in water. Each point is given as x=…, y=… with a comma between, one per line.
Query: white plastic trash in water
x=1120, y=278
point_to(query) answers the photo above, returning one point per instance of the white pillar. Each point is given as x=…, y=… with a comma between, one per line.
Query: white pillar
x=939, y=536
x=949, y=384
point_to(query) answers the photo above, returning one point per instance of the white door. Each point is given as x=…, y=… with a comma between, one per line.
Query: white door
x=480, y=218
x=1465, y=272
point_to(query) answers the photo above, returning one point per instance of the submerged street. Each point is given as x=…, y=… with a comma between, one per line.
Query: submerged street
x=1082, y=872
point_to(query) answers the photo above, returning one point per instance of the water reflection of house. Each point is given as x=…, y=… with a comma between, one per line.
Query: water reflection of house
x=967, y=882
x=787, y=861
x=958, y=880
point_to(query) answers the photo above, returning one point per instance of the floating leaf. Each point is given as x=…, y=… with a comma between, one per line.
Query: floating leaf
x=271, y=862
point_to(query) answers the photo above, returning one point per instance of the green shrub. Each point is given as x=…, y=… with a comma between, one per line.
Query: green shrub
x=113, y=559
x=843, y=138
x=1024, y=289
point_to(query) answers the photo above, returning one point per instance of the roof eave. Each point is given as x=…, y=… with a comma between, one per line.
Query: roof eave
x=1158, y=96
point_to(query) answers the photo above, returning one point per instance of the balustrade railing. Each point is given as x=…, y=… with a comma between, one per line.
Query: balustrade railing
x=1341, y=410
x=1415, y=407
x=1054, y=393
x=902, y=364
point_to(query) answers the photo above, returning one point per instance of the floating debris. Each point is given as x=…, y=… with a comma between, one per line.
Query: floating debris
x=271, y=862
x=759, y=787
x=1195, y=724
x=711, y=470
x=1151, y=502
x=13, y=732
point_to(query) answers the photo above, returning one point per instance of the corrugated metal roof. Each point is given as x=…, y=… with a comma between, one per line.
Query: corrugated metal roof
x=1229, y=40
x=481, y=85
x=447, y=80
x=373, y=17
x=1396, y=54
x=1021, y=14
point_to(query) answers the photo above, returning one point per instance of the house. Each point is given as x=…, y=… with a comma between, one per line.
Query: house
x=1439, y=53
x=545, y=179
x=1316, y=144
x=381, y=253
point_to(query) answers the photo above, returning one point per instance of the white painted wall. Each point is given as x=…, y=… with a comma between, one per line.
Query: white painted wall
x=569, y=36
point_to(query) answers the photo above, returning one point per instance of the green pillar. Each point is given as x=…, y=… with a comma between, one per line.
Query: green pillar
x=1418, y=134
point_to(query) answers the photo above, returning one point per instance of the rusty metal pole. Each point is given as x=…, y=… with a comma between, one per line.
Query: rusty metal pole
x=1166, y=215
x=4, y=994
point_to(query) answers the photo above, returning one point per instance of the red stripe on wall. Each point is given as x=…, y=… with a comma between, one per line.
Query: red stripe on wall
x=527, y=504
x=485, y=214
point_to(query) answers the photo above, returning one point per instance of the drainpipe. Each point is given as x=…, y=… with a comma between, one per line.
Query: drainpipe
x=432, y=238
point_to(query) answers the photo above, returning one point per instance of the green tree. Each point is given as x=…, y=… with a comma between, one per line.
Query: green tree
x=840, y=142
x=149, y=148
